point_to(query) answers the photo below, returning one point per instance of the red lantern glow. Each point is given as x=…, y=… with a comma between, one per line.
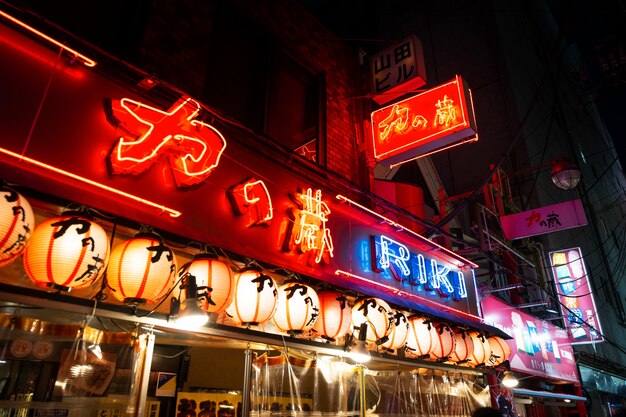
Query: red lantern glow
x=444, y=341
x=255, y=297
x=17, y=222
x=482, y=350
x=335, y=315
x=422, y=335
x=216, y=285
x=463, y=347
x=297, y=307
x=500, y=350
x=141, y=270
x=399, y=331
x=66, y=252
x=376, y=313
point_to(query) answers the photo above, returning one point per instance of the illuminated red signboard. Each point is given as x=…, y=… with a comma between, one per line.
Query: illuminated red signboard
x=543, y=220
x=570, y=276
x=398, y=69
x=418, y=126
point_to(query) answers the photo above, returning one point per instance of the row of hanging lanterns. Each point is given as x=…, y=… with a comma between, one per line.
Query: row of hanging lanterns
x=72, y=251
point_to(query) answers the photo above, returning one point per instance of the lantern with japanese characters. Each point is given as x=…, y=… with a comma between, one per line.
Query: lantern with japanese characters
x=482, y=350
x=255, y=297
x=17, y=222
x=142, y=270
x=399, y=331
x=376, y=313
x=463, y=347
x=500, y=350
x=297, y=307
x=334, y=317
x=215, y=281
x=443, y=342
x=66, y=252
x=421, y=339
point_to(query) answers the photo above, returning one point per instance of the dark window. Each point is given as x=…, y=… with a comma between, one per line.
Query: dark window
x=253, y=81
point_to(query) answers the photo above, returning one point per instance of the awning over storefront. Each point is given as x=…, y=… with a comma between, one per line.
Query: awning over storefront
x=547, y=394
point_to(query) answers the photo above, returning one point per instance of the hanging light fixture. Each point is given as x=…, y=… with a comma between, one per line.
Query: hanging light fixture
x=565, y=175
x=359, y=352
x=377, y=314
x=17, y=222
x=509, y=380
x=255, y=297
x=191, y=316
x=214, y=279
x=463, y=347
x=66, y=252
x=334, y=317
x=482, y=350
x=297, y=307
x=141, y=270
x=422, y=333
x=443, y=342
x=500, y=350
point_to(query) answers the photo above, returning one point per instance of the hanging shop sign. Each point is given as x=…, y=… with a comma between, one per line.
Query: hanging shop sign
x=543, y=220
x=100, y=144
x=438, y=119
x=575, y=296
x=398, y=70
x=537, y=347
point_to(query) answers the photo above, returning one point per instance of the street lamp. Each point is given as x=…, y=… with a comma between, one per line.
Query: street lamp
x=565, y=175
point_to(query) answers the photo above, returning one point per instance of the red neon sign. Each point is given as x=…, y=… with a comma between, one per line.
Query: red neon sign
x=193, y=147
x=253, y=198
x=423, y=124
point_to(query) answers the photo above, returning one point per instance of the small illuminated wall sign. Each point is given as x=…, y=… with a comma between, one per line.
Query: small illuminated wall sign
x=394, y=260
x=308, y=232
x=438, y=119
x=193, y=147
x=253, y=198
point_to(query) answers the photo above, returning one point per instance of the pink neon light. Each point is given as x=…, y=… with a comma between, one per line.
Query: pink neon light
x=404, y=294
x=20, y=158
x=88, y=62
x=417, y=235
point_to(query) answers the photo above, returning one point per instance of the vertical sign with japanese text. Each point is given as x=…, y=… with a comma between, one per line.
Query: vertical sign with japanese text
x=574, y=292
x=398, y=70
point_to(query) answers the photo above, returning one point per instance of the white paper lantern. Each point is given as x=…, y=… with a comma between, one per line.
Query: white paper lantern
x=444, y=341
x=17, y=222
x=66, y=252
x=376, y=313
x=500, y=350
x=399, y=331
x=141, y=270
x=421, y=339
x=335, y=315
x=215, y=281
x=482, y=350
x=297, y=307
x=463, y=347
x=255, y=297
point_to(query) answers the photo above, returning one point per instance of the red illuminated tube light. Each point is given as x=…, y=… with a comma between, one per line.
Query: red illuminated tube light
x=88, y=62
x=20, y=158
x=403, y=228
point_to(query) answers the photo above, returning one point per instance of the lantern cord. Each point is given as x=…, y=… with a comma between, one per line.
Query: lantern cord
x=165, y=297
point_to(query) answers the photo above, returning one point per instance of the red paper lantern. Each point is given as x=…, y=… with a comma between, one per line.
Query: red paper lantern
x=399, y=331
x=482, y=350
x=463, y=347
x=500, y=350
x=66, y=252
x=421, y=338
x=297, y=307
x=255, y=297
x=444, y=341
x=17, y=222
x=335, y=315
x=376, y=313
x=141, y=270
x=215, y=281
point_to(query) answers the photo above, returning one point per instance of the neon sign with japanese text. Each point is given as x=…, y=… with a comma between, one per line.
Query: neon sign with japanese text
x=435, y=120
x=253, y=198
x=193, y=147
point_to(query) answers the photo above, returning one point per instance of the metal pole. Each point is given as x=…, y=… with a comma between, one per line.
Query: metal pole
x=145, y=375
x=247, y=379
x=362, y=399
